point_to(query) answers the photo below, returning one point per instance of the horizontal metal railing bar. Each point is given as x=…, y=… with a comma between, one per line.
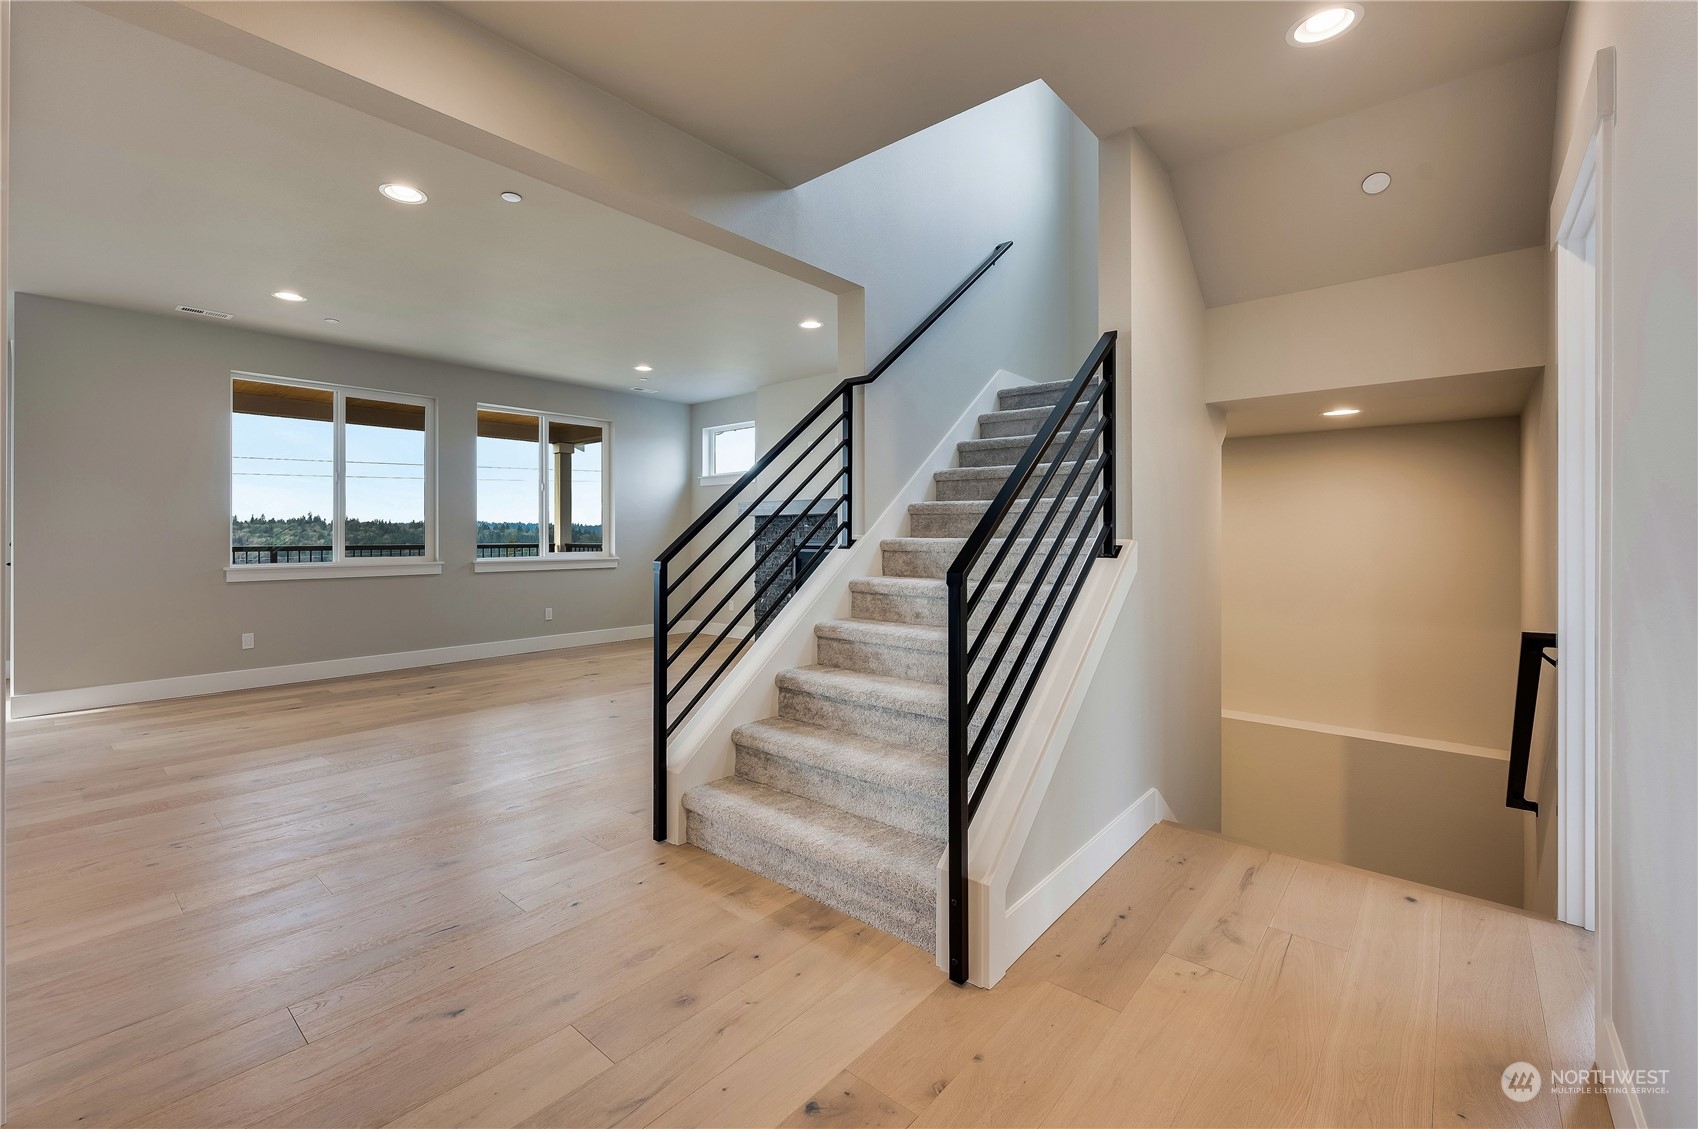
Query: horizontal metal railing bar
x=1036, y=538
x=747, y=639
x=817, y=469
x=777, y=479
x=831, y=397
x=1010, y=491
x=753, y=601
x=836, y=480
x=989, y=721
x=1033, y=587
x=1025, y=697
x=1049, y=474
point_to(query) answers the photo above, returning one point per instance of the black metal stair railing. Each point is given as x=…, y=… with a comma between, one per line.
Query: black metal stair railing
x=1535, y=648
x=995, y=656
x=724, y=578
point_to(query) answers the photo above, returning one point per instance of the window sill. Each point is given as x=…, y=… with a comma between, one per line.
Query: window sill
x=541, y=564
x=720, y=479
x=243, y=573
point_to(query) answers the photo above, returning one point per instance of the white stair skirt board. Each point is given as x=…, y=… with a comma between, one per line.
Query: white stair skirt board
x=193, y=685
x=1000, y=932
x=702, y=750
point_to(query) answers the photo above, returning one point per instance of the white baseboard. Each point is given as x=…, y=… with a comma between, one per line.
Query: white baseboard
x=1625, y=1109
x=1042, y=905
x=194, y=685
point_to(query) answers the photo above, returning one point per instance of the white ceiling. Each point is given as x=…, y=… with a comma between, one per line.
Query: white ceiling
x=798, y=88
x=1469, y=162
x=1480, y=395
x=149, y=174
x=1268, y=143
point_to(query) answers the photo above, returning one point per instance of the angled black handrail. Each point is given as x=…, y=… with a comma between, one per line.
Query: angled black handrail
x=782, y=561
x=1534, y=644
x=978, y=736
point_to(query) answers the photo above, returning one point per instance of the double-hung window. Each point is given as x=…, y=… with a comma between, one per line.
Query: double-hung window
x=329, y=481
x=728, y=449
x=545, y=495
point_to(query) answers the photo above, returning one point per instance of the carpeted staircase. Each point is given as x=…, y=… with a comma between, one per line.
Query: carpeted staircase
x=843, y=795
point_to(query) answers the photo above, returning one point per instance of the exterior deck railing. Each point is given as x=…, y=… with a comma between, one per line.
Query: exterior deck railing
x=321, y=554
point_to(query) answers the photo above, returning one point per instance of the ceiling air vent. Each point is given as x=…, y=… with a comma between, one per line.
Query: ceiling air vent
x=198, y=312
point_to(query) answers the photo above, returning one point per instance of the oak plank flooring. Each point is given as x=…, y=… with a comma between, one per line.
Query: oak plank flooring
x=428, y=897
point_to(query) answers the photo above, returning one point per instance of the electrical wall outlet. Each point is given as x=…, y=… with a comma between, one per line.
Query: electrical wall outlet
x=548, y=613
x=247, y=641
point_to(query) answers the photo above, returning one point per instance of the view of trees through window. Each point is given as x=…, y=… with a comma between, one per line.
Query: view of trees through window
x=284, y=471
x=520, y=512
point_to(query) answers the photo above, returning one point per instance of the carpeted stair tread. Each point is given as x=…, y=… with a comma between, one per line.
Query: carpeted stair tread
x=874, y=854
x=882, y=633
x=1034, y=395
x=900, y=586
x=903, y=695
x=896, y=767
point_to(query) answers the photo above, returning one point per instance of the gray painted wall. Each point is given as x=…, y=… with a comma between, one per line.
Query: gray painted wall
x=121, y=458
x=909, y=221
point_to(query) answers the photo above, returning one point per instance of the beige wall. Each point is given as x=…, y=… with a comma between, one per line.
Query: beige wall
x=1652, y=639
x=1371, y=578
x=1539, y=613
x=122, y=531
x=1429, y=815
x=1477, y=315
x=1151, y=718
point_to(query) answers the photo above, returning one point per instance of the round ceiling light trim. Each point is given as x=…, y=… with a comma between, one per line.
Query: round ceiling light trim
x=332, y=321
x=1324, y=25
x=511, y=197
x=402, y=193
x=288, y=296
x=1376, y=182
x=645, y=368
x=810, y=323
x=1338, y=412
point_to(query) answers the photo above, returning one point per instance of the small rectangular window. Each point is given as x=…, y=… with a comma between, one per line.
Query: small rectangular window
x=728, y=450
x=542, y=485
x=323, y=475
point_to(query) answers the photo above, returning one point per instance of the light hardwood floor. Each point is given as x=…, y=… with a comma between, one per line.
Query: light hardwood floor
x=429, y=898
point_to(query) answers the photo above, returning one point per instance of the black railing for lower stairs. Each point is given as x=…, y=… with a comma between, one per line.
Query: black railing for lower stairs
x=1010, y=591
x=719, y=584
x=1534, y=648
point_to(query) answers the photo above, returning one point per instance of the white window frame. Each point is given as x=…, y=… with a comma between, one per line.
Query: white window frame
x=544, y=560
x=711, y=476
x=339, y=565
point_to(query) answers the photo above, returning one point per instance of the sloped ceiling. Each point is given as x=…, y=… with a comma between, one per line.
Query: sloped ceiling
x=799, y=88
x=1468, y=162
x=1267, y=143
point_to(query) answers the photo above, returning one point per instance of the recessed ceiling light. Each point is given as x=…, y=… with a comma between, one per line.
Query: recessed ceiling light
x=1376, y=182
x=1343, y=412
x=649, y=391
x=1328, y=23
x=288, y=296
x=403, y=193
x=645, y=368
x=332, y=321
x=511, y=197
x=811, y=323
